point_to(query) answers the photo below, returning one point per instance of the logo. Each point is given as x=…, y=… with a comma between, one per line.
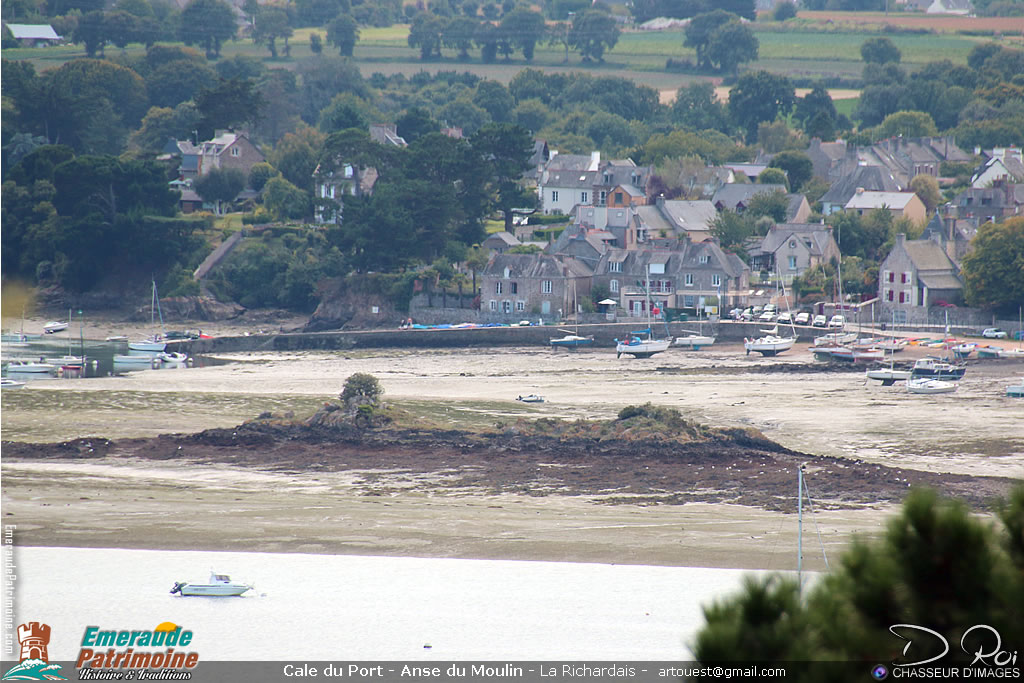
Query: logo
x=879, y=673
x=143, y=655
x=34, y=665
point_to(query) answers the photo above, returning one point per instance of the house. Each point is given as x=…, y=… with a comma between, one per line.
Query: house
x=34, y=35
x=1000, y=200
x=515, y=286
x=862, y=177
x=538, y=160
x=1004, y=164
x=637, y=225
x=736, y=197
x=954, y=234
x=750, y=171
x=824, y=156
x=569, y=180
x=793, y=248
x=899, y=204
x=685, y=275
x=226, y=149
x=702, y=182
x=500, y=242
x=915, y=275
x=959, y=7
x=387, y=134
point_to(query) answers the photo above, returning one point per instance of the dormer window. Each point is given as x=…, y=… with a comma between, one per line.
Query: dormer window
x=607, y=178
x=704, y=258
x=235, y=152
x=507, y=273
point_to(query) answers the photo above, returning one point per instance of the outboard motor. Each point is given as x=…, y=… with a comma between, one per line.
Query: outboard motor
x=178, y=585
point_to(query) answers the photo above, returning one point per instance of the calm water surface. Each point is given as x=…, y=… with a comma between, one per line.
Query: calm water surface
x=322, y=607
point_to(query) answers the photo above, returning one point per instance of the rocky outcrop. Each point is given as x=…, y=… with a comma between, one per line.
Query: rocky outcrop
x=202, y=308
x=345, y=306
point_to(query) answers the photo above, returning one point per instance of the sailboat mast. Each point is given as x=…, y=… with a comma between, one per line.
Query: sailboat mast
x=800, y=529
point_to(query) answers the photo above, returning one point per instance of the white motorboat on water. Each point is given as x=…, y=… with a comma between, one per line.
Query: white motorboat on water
x=220, y=586
x=531, y=398
x=8, y=383
x=926, y=385
x=153, y=344
x=172, y=357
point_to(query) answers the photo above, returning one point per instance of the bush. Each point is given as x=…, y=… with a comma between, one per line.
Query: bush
x=363, y=388
x=784, y=10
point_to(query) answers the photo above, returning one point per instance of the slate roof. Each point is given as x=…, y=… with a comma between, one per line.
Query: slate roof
x=733, y=194
x=536, y=266
x=928, y=255
x=569, y=162
x=940, y=281
x=877, y=200
x=690, y=215
x=876, y=178
x=571, y=178
x=814, y=235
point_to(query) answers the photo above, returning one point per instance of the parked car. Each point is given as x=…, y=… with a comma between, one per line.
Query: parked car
x=747, y=314
x=785, y=317
x=837, y=321
x=820, y=321
x=766, y=317
x=802, y=318
x=994, y=333
x=736, y=313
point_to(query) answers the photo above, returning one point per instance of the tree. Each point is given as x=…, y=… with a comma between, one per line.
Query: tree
x=208, y=23
x=773, y=176
x=506, y=149
x=458, y=35
x=271, y=23
x=816, y=102
x=91, y=31
x=909, y=124
x=700, y=29
x=593, y=32
x=927, y=189
x=994, y=269
x=362, y=387
x=526, y=29
x=495, y=99
x=260, y=174
x=343, y=33
x=732, y=231
x=316, y=43
x=730, y=45
x=936, y=564
x=283, y=200
x=784, y=10
x=414, y=123
x=229, y=103
x=425, y=33
x=879, y=51
x=697, y=107
x=798, y=167
x=774, y=205
x=758, y=97
x=220, y=186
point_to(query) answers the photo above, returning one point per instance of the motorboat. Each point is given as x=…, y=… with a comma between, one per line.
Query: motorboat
x=55, y=326
x=572, y=341
x=220, y=586
x=1016, y=390
x=33, y=366
x=693, y=341
x=990, y=351
x=931, y=367
x=531, y=398
x=926, y=385
x=8, y=383
x=835, y=339
x=137, y=362
x=868, y=355
x=172, y=357
x=843, y=353
x=154, y=344
x=961, y=351
x=888, y=376
x=892, y=345
x=117, y=338
x=769, y=345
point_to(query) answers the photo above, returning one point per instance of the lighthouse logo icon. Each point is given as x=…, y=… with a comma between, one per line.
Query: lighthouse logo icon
x=34, y=665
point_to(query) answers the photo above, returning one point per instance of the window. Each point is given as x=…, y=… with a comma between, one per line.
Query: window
x=618, y=197
x=888, y=295
x=554, y=195
x=545, y=286
x=235, y=152
x=704, y=258
x=906, y=277
x=515, y=287
x=603, y=197
x=497, y=288
x=792, y=262
x=901, y=297
x=583, y=197
x=792, y=244
x=716, y=280
x=689, y=280
x=908, y=297
x=494, y=305
x=506, y=306
x=613, y=286
x=615, y=266
x=888, y=277
x=688, y=301
x=520, y=306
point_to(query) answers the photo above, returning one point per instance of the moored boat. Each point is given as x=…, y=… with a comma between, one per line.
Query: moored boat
x=931, y=367
x=55, y=326
x=769, y=345
x=32, y=366
x=8, y=383
x=220, y=586
x=888, y=376
x=1016, y=390
x=693, y=341
x=531, y=398
x=926, y=385
x=572, y=341
x=642, y=346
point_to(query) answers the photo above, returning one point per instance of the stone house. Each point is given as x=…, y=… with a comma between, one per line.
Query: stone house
x=790, y=249
x=1006, y=164
x=500, y=242
x=899, y=204
x=571, y=180
x=1001, y=200
x=736, y=197
x=518, y=286
x=687, y=275
x=225, y=150
x=915, y=275
x=337, y=179
x=862, y=177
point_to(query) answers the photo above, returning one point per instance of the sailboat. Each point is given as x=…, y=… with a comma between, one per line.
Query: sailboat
x=890, y=375
x=772, y=343
x=573, y=340
x=695, y=340
x=70, y=361
x=155, y=343
x=641, y=343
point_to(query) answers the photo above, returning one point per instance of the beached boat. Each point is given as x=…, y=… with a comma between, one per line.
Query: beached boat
x=693, y=341
x=961, y=351
x=888, y=376
x=32, y=366
x=892, y=345
x=769, y=345
x=155, y=342
x=220, y=586
x=642, y=345
x=990, y=351
x=55, y=326
x=835, y=339
x=532, y=398
x=572, y=341
x=8, y=383
x=1016, y=390
x=843, y=353
x=868, y=355
x=931, y=367
x=926, y=385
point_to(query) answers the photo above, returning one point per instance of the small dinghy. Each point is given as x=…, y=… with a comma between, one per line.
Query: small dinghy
x=532, y=398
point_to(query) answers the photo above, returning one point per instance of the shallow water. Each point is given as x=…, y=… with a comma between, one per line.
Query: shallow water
x=324, y=607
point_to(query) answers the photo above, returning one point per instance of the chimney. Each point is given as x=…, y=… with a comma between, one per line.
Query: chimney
x=595, y=160
x=901, y=237
x=860, y=190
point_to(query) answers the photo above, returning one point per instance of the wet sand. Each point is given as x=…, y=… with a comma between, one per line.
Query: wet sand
x=115, y=502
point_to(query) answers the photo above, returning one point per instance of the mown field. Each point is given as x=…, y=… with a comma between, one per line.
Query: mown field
x=816, y=45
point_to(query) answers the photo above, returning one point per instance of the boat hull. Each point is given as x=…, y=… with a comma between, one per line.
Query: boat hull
x=644, y=349
x=572, y=341
x=768, y=346
x=157, y=346
x=887, y=376
x=693, y=341
x=931, y=386
x=213, y=591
